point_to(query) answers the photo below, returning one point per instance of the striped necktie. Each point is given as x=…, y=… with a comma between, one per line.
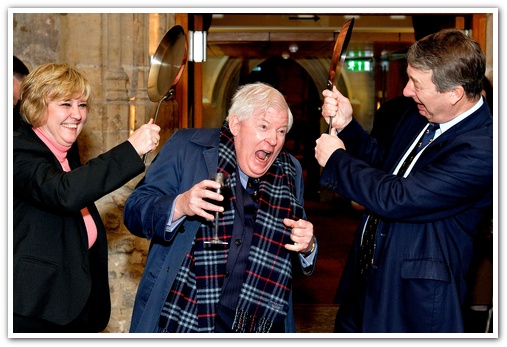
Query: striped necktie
x=252, y=187
x=368, y=243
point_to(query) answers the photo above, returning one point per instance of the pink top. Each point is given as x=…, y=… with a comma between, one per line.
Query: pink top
x=60, y=153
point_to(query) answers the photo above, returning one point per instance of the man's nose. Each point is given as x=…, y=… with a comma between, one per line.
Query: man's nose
x=408, y=91
x=271, y=138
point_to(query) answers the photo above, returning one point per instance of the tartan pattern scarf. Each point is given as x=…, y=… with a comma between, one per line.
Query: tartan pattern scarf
x=192, y=302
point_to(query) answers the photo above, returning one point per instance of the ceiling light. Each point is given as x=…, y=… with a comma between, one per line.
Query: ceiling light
x=197, y=46
x=293, y=47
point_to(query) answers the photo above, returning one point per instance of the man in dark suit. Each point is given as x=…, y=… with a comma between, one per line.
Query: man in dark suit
x=407, y=268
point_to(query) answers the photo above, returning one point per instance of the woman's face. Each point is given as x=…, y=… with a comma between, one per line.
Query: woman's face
x=66, y=119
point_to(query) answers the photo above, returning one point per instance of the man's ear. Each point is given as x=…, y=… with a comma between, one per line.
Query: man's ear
x=234, y=124
x=457, y=94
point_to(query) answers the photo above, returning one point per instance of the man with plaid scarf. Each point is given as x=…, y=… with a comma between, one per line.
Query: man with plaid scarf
x=245, y=285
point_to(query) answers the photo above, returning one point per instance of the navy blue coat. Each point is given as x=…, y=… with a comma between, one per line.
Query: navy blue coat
x=186, y=159
x=429, y=219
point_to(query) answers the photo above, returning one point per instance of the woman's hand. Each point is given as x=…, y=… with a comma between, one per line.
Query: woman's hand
x=146, y=138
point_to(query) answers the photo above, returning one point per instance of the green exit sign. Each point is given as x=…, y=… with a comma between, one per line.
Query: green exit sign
x=359, y=65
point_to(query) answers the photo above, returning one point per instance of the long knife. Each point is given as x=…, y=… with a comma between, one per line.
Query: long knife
x=339, y=54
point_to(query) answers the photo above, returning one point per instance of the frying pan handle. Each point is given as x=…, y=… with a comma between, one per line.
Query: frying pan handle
x=167, y=96
x=330, y=87
x=339, y=52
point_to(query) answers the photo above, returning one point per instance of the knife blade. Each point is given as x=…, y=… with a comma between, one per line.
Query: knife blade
x=339, y=54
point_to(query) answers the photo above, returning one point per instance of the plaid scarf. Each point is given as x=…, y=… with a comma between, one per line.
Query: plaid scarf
x=192, y=302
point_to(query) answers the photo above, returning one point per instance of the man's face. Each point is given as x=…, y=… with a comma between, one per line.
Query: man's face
x=432, y=104
x=259, y=139
x=16, y=86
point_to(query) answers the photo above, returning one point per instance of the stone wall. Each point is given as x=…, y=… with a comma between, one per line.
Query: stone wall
x=127, y=256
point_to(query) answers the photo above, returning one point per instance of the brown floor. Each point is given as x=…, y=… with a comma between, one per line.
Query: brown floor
x=334, y=225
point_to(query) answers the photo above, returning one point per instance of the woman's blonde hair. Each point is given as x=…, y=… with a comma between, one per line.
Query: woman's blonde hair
x=47, y=83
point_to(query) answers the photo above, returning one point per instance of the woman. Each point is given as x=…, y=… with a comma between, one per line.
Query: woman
x=60, y=277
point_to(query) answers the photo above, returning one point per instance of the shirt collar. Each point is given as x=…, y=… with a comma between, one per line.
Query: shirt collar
x=447, y=125
x=243, y=177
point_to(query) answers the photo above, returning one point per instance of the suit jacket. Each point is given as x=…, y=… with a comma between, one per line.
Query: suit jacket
x=429, y=219
x=55, y=274
x=186, y=159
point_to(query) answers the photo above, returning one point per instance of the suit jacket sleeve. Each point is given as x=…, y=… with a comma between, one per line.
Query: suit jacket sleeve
x=178, y=166
x=38, y=178
x=453, y=173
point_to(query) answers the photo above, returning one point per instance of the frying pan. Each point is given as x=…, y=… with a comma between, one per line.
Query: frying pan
x=339, y=54
x=167, y=67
